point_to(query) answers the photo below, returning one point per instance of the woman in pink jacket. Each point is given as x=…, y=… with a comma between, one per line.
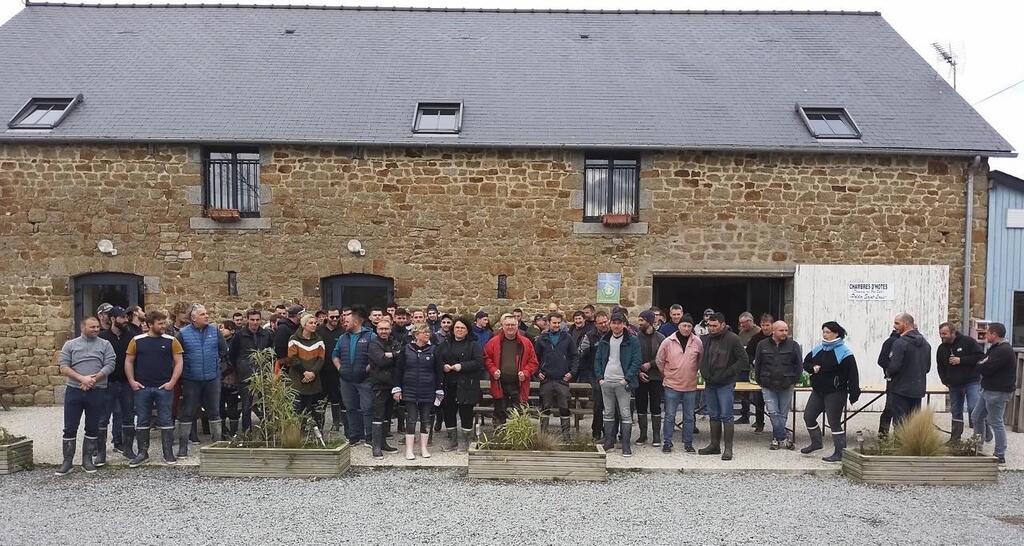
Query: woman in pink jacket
x=678, y=359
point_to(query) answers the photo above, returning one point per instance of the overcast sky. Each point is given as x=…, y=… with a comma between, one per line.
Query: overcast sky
x=984, y=35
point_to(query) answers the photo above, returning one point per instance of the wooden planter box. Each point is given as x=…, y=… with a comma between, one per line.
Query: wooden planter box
x=218, y=459
x=891, y=469
x=15, y=457
x=223, y=215
x=538, y=465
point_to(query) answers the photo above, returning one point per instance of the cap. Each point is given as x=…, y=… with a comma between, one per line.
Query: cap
x=432, y=307
x=481, y=314
x=709, y=311
x=648, y=316
x=295, y=309
x=117, y=311
x=618, y=316
x=104, y=308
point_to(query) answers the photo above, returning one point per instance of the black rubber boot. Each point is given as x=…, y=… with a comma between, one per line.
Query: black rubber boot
x=193, y=435
x=465, y=437
x=100, y=454
x=167, y=444
x=641, y=420
x=566, y=427
x=656, y=430
x=384, y=440
x=184, y=430
x=609, y=435
x=839, y=441
x=453, y=440
x=815, y=434
x=336, y=417
x=727, y=433
x=67, y=446
x=956, y=432
x=544, y=423
x=377, y=439
x=88, y=449
x=143, y=455
x=128, y=442
x=627, y=434
x=715, y=447
x=216, y=430
x=438, y=421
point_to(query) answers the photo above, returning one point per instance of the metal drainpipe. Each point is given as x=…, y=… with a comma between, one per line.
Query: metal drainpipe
x=965, y=317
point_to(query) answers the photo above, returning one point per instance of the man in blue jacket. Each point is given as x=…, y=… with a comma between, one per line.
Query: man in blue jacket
x=352, y=360
x=617, y=370
x=204, y=347
x=559, y=364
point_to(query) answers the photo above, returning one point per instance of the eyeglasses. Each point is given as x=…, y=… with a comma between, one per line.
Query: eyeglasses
x=333, y=317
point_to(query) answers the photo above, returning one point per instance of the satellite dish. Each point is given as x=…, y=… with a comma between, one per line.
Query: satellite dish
x=105, y=246
x=354, y=246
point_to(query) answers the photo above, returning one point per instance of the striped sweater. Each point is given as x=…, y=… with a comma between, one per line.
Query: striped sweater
x=305, y=355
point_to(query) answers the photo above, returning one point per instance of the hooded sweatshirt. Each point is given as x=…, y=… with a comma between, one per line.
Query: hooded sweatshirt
x=909, y=363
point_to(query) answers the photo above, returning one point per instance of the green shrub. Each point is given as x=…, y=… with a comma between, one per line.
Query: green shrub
x=917, y=435
x=520, y=433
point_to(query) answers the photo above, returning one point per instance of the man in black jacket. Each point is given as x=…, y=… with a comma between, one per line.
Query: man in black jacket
x=286, y=328
x=777, y=365
x=251, y=338
x=957, y=358
x=909, y=363
x=721, y=364
x=998, y=380
x=330, y=331
x=587, y=350
x=885, y=419
x=559, y=362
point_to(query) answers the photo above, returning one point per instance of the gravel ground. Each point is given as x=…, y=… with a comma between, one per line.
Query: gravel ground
x=370, y=506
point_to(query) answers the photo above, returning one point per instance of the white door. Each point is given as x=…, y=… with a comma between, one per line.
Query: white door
x=864, y=299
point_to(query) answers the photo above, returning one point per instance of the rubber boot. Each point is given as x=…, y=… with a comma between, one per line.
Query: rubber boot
x=839, y=441
x=956, y=432
x=377, y=440
x=465, y=434
x=216, y=430
x=386, y=430
x=727, y=432
x=88, y=450
x=67, y=446
x=656, y=430
x=566, y=427
x=815, y=434
x=715, y=447
x=609, y=435
x=143, y=454
x=184, y=429
x=127, y=442
x=627, y=436
x=424, y=442
x=438, y=422
x=232, y=428
x=744, y=413
x=167, y=445
x=100, y=453
x=641, y=419
x=453, y=440
x=193, y=436
x=336, y=417
x=410, y=443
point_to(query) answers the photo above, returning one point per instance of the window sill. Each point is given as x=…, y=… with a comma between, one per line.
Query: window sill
x=597, y=228
x=243, y=224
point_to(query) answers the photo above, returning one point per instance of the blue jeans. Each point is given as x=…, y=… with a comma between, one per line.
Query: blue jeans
x=199, y=393
x=992, y=410
x=77, y=402
x=673, y=399
x=777, y=404
x=145, y=399
x=719, y=399
x=358, y=400
x=119, y=411
x=957, y=394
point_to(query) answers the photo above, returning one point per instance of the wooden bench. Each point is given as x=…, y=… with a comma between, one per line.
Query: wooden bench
x=580, y=403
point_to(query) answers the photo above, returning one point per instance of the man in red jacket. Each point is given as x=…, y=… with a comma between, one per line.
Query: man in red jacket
x=511, y=362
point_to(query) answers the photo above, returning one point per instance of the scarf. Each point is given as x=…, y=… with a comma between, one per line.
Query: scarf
x=838, y=346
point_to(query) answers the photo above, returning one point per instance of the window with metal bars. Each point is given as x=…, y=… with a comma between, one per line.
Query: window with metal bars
x=231, y=180
x=611, y=186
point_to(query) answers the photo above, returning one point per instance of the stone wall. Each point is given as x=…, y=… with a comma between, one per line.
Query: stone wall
x=444, y=224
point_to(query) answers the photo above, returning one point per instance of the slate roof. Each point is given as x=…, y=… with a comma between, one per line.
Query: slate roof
x=666, y=80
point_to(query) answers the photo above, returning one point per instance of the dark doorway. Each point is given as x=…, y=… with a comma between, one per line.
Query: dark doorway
x=728, y=295
x=1016, y=327
x=120, y=289
x=356, y=289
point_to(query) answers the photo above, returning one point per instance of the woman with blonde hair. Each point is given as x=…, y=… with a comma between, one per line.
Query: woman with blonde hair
x=419, y=384
x=306, y=353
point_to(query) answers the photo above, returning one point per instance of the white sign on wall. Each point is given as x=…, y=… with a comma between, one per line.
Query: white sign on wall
x=869, y=291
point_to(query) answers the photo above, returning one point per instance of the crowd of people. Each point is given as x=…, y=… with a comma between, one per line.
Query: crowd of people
x=425, y=371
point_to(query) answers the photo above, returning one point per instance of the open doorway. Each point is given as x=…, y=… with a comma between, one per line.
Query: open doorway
x=120, y=289
x=728, y=295
x=356, y=289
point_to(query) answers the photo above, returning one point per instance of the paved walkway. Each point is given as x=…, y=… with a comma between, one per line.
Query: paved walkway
x=43, y=425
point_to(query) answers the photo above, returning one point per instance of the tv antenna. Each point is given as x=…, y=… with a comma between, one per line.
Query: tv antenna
x=946, y=54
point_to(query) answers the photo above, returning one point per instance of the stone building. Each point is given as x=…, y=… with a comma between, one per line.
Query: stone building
x=477, y=159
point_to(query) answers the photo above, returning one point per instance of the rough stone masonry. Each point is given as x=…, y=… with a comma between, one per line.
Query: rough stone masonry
x=444, y=223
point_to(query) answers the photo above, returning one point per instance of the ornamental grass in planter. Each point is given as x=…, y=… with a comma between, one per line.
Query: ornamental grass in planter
x=916, y=454
x=283, y=443
x=519, y=451
x=15, y=453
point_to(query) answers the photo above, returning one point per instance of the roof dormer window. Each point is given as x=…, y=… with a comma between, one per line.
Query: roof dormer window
x=43, y=112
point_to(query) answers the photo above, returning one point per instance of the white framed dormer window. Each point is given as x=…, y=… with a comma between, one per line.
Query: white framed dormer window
x=444, y=118
x=43, y=112
x=828, y=122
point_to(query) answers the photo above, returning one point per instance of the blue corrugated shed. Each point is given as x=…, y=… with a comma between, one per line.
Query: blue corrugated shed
x=1005, y=252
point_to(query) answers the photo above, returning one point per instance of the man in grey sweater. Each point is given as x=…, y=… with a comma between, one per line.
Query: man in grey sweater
x=86, y=361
